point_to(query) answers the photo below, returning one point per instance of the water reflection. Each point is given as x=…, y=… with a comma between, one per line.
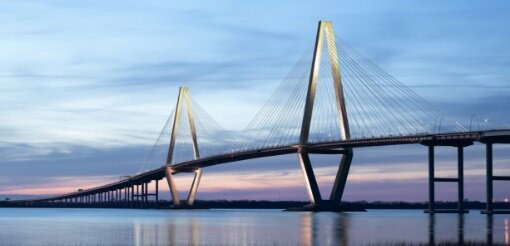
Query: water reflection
x=341, y=229
x=195, y=232
x=506, y=231
x=312, y=229
x=432, y=229
x=306, y=229
x=311, y=233
x=459, y=228
x=489, y=229
x=246, y=227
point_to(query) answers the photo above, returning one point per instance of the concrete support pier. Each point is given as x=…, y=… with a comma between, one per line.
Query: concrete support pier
x=490, y=178
x=432, y=179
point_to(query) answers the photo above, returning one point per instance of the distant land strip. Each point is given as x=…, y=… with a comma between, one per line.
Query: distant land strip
x=257, y=204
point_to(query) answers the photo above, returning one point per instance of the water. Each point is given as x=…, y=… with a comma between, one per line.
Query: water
x=57, y=226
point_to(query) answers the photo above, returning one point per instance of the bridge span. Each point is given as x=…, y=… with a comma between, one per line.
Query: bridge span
x=135, y=188
x=366, y=108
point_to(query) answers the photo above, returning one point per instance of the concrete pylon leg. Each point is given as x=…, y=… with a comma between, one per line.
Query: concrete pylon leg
x=171, y=184
x=432, y=201
x=311, y=183
x=194, y=187
x=460, y=176
x=341, y=176
x=489, y=178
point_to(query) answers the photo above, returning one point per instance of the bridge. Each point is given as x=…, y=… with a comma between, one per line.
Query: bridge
x=334, y=101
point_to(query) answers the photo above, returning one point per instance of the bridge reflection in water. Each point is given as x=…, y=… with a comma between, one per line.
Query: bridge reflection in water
x=22, y=226
x=308, y=228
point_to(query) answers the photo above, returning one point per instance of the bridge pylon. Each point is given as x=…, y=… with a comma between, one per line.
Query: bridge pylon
x=184, y=95
x=325, y=38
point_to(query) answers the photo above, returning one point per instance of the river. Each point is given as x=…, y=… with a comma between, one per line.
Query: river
x=79, y=226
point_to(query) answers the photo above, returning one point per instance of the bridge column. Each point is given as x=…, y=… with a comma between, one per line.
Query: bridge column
x=131, y=192
x=341, y=177
x=156, y=192
x=431, y=179
x=312, y=188
x=183, y=95
x=489, y=178
x=132, y=199
x=194, y=187
x=460, y=176
x=141, y=195
x=490, y=141
x=325, y=40
x=146, y=194
x=459, y=145
x=138, y=200
x=171, y=184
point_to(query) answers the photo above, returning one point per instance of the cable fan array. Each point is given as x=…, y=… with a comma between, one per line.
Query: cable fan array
x=377, y=105
x=212, y=139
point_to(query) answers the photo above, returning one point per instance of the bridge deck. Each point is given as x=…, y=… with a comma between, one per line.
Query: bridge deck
x=446, y=139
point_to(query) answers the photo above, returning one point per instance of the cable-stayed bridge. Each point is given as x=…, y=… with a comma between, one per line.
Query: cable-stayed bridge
x=333, y=101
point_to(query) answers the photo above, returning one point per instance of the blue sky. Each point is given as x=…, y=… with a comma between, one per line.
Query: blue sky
x=87, y=86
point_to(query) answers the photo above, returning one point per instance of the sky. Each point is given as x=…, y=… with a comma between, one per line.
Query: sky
x=87, y=86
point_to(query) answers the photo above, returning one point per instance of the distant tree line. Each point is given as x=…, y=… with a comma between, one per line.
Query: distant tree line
x=261, y=204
